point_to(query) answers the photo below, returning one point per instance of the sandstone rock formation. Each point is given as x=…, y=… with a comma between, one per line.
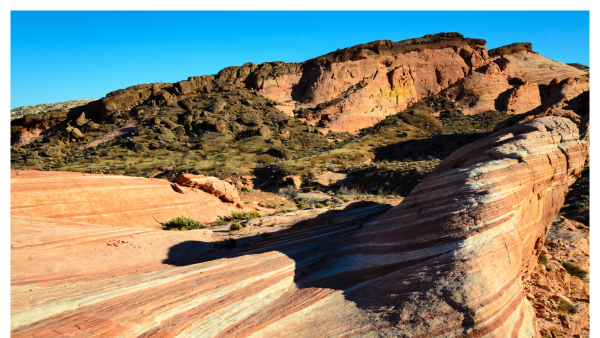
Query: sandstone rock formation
x=561, y=300
x=109, y=200
x=512, y=81
x=449, y=260
x=212, y=185
x=354, y=87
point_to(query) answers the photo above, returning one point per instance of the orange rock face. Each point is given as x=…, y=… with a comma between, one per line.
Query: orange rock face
x=448, y=260
x=108, y=199
x=212, y=185
x=509, y=82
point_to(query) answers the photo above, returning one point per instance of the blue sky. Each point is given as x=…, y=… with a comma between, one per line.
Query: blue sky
x=59, y=56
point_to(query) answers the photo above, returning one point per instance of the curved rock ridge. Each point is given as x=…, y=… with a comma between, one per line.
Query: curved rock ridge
x=447, y=261
x=108, y=199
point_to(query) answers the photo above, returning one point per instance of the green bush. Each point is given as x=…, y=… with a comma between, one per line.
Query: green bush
x=579, y=219
x=542, y=259
x=235, y=226
x=574, y=270
x=219, y=223
x=244, y=215
x=184, y=223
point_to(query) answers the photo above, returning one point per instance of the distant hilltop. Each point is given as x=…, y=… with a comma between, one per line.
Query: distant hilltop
x=44, y=107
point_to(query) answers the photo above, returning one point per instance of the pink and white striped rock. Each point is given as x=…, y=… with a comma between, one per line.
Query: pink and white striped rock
x=447, y=261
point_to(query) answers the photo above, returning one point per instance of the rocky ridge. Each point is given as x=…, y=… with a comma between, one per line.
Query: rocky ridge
x=44, y=107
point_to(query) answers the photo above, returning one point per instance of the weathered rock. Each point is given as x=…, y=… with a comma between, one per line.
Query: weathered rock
x=108, y=199
x=333, y=179
x=212, y=185
x=280, y=153
x=265, y=132
x=90, y=126
x=357, y=87
x=523, y=99
x=53, y=152
x=81, y=120
x=508, y=82
x=293, y=180
x=221, y=127
x=139, y=147
x=75, y=133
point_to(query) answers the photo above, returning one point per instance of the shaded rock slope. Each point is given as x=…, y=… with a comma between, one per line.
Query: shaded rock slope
x=449, y=260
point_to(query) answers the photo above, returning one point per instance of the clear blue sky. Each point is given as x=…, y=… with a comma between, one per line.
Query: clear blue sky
x=59, y=56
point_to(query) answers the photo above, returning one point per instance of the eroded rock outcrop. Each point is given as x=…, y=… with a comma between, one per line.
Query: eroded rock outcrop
x=449, y=260
x=211, y=185
x=513, y=80
x=108, y=200
x=351, y=88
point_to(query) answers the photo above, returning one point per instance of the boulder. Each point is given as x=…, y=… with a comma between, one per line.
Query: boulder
x=212, y=185
x=81, y=120
x=90, y=126
x=265, y=132
x=333, y=179
x=76, y=134
x=293, y=180
x=280, y=153
x=53, y=152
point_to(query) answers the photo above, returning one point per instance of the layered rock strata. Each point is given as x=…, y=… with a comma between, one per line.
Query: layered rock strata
x=448, y=261
x=212, y=185
x=109, y=200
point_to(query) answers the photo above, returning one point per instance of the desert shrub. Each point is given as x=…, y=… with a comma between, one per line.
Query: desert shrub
x=344, y=191
x=244, y=189
x=574, y=270
x=580, y=219
x=290, y=194
x=319, y=205
x=225, y=244
x=566, y=307
x=288, y=209
x=303, y=205
x=337, y=200
x=576, y=205
x=244, y=215
x=542, y=259
x=219, y=223
x=235, y=226
x=184, y=223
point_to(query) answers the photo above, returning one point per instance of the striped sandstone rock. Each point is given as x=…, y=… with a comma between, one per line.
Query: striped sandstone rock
x=108, y=199
x=447, y=261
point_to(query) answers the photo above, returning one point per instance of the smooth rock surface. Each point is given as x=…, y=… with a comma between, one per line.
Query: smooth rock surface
x=108, y=199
